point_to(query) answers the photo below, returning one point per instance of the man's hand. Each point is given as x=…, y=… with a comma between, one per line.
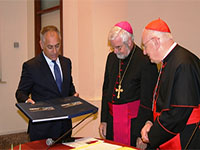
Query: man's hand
x=140, y=144
x=102, y=129
x=76, y=94
x=30, y=101
x=145, y=130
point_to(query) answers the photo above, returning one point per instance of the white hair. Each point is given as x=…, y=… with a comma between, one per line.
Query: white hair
x=117, y=31
x=162, y=35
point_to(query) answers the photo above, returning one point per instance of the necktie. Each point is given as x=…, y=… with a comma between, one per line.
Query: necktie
x=57, y=75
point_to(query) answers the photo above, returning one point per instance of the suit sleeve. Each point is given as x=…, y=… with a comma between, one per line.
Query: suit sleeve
x=72, y=90
x=25, y=84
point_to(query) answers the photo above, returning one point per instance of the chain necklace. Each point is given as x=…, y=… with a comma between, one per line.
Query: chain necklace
x=156, y=87
x=119, y=89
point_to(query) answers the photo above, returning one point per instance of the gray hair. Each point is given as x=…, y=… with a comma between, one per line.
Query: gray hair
x=47, y=29
x=117, y=31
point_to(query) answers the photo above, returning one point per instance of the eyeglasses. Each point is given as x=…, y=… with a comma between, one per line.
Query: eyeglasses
x=144, y=45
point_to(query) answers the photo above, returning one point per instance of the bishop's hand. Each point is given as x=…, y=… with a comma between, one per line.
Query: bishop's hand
x=102, y=129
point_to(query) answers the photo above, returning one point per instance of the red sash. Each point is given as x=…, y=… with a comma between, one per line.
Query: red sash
x=175, y=143
x=122, y=115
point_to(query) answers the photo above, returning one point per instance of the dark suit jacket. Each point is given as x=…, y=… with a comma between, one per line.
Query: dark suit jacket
x=37, y=80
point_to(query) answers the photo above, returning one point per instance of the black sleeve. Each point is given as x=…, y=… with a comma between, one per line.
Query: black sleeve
x=72, y=90
x=104, y=103
x=168, y=124
x=186, y=86
x=148, y=81
x=25, y=84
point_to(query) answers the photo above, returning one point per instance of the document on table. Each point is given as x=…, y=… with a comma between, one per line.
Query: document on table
x=82, y=142
x=94, y=144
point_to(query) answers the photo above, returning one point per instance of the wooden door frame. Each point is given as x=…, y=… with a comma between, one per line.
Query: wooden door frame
x=38, y=13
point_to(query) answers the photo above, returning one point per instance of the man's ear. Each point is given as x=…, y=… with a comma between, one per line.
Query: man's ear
x=41, y=45
x=129, y=42
x=157, y=42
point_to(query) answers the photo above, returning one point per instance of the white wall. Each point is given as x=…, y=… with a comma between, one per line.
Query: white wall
x=86, y=24
x=14, y=28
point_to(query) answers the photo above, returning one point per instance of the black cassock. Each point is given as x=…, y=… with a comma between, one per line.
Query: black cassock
x=178, y=94
x=138, y=84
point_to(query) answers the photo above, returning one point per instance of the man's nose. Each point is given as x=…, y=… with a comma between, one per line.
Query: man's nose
x=116, y=50
x=54, y=49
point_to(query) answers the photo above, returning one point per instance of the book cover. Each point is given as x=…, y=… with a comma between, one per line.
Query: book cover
x=55, y=109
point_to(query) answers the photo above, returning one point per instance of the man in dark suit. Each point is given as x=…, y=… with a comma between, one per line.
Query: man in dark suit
x=41, y=81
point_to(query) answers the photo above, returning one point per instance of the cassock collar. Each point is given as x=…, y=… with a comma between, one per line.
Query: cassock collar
x=170, y=54
x=169, y=50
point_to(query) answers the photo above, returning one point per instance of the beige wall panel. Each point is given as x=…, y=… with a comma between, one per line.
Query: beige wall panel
x=86, y=24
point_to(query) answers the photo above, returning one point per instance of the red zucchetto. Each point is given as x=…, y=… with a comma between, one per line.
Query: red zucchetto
x=126, y=26
x=158, y=25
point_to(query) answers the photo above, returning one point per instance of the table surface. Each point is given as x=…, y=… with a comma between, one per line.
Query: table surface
x=41, y=145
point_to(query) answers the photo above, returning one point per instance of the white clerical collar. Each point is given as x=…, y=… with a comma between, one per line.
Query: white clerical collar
x=170, y=49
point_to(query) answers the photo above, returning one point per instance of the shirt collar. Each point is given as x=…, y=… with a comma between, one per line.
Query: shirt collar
x=49, y=61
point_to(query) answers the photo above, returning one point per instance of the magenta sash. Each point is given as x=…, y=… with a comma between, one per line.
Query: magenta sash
x=122, y=115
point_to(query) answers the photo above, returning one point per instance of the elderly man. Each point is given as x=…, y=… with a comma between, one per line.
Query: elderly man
x=176, y=97
x=128, y=87
x=47, y=76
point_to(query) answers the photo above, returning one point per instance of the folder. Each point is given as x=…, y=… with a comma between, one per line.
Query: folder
x=56, y=109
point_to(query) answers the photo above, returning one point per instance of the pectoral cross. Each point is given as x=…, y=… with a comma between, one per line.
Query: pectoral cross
x=118, y=91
